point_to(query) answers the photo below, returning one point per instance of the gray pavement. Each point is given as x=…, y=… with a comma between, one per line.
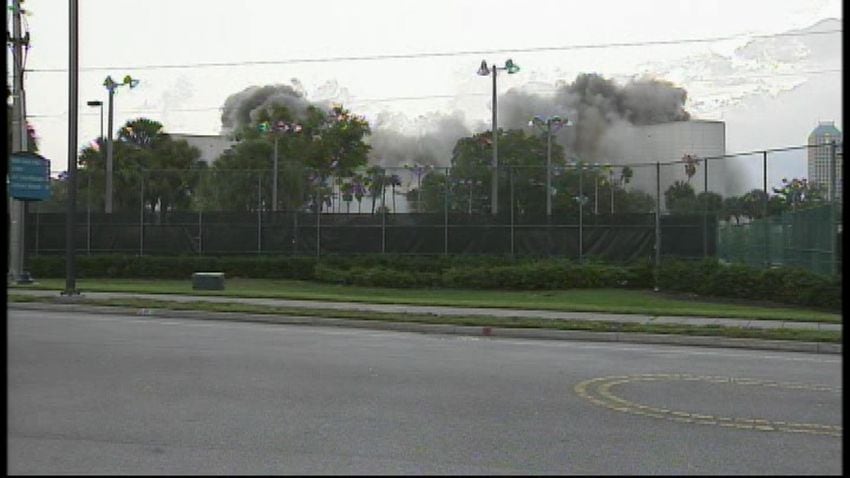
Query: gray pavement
x=465, y=311
x=125, y=394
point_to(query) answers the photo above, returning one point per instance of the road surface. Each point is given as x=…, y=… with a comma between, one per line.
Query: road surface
x=142, y=395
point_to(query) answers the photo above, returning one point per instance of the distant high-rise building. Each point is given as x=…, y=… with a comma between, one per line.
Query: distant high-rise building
x=819, y=157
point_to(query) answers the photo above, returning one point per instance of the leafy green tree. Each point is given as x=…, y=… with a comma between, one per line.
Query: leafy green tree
x=799, y=193
x=143, y=155
x=753, y=203
x=732, y=207
x=680, y=198
x=312, y=148
x=634, y=202
x=522, y=158
x=709, y=202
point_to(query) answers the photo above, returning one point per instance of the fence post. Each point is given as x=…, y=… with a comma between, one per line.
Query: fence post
x=511, y=172
x=446, y=214
x=295, y=232
x=318, y=223
x=705, y=211
x=833, y=229
x=142, y=214
x=88, y=216
x=657, y=223
x=259, y=213
x=581, y=213
x=36, y=229
x=764, y=214
x=200, y=232
x=383, y=227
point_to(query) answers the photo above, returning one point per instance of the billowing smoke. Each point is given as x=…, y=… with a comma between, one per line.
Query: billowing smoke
x=429, y=142
x=242, y=108
x=395, y=141
x=609, y=121
x=597, y=107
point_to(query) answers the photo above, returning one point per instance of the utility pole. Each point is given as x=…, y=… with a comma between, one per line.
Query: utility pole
x=19, y=144
x=73, y=93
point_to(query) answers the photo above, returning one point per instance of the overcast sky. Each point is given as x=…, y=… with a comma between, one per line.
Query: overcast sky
x=767, y=99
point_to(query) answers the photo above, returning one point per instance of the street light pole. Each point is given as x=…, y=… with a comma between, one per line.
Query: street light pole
x=274, y=177
x=73, y=92
x=88, y=176
x=552, y=125
x=276, y=130
x=108, y=198
x=494, y=183
x=111, y=85
x=100, y=105
x=483, y=70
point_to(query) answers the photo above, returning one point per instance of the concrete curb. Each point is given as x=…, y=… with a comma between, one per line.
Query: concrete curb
x=547, y=334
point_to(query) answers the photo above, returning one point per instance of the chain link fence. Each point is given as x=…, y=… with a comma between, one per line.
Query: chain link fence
x=693, y=208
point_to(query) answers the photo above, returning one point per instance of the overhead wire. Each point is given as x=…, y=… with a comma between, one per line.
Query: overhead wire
x=429, y=97
x=434, y=54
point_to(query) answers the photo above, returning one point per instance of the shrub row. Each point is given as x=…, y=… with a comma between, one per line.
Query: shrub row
x=178, y=267
x=708, y=278
x=786, y=285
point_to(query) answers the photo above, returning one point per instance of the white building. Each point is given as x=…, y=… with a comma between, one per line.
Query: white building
x=667, y=142
x=211, y=146
x=819, y=155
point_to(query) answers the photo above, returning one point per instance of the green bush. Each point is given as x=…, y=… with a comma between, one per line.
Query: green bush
x=785, y=285
x=706, y=277
x=377, y=276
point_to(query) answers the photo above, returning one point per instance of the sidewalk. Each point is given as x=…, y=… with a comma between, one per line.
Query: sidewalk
x=68, y=304
x=456, y=311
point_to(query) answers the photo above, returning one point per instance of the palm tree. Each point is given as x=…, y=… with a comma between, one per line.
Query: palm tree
x=394, y=180
x=691, y=163
x=376, y=182
x=626, y=175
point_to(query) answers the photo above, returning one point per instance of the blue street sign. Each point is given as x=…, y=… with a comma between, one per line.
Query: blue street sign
x=29, y=177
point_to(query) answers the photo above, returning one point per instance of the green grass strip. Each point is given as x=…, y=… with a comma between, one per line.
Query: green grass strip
x=481, y=321
x=619, y=301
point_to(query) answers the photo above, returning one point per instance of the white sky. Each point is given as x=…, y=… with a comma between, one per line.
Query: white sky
x=120, y=33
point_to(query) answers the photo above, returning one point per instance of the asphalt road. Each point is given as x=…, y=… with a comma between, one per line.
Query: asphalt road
x=142, y=395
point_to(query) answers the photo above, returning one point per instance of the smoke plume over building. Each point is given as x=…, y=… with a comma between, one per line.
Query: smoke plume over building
x=609, y=122
x=242, y=108
x=599, y=109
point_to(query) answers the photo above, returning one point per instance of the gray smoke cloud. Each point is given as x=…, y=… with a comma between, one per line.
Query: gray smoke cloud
x=242, y=108
x=597, y=107
x=607, y=120
x=430, y=145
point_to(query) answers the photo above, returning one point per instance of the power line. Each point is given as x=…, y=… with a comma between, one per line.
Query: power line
x=435, y=54
x=429, y=97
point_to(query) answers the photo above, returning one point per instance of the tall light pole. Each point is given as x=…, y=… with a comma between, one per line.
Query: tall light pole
x=550, y=126
x=483, y=70
x=73, y=93
x=279, y=127
x=111, y=86
x=99, y=104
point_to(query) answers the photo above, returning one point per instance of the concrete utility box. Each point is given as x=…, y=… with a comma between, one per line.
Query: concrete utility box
x=208, y=281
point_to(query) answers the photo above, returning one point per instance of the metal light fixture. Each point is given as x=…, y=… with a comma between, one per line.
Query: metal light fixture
x=280, y=127
x=483, y=70
x=111, y=85
x=549, y=126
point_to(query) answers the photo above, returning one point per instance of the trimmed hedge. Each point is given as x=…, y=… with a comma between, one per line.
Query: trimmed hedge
x=708, y=277
x=177, y=267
